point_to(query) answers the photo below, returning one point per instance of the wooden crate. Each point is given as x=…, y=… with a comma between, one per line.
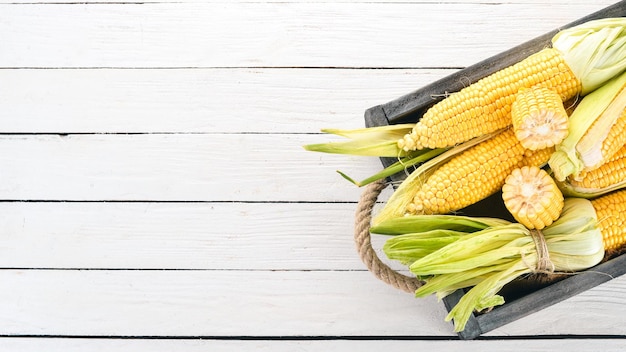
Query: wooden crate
x=410, y=107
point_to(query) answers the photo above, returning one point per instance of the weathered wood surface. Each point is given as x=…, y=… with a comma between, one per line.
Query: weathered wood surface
x=155, y=195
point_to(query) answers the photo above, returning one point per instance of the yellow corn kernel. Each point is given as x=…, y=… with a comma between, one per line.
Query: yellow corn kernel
x=472, y=175
x=532, y=197
x=539, y=118
x=611, y=212
x=537, y=158
x=610, y=173
x=485, y=106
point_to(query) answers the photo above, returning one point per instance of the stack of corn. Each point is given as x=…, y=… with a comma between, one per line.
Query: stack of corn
x=560, y=172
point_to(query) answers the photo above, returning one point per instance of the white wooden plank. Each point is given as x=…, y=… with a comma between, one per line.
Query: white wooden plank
x=284, y=345
x=224, y=236
x=249, y=34
x=96, y=2
x=597, y=310
x=211, y=303
x=198, y=100
x=178, y=167
x=261, y=303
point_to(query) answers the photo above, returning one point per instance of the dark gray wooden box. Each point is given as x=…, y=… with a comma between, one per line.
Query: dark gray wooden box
x=410, y=107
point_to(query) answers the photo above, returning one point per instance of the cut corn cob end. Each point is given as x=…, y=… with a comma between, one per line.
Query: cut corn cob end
x=532, y=197
x=539, y=118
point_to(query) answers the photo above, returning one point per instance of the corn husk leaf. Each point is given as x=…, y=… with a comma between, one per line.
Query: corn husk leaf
x=570, y=190
x=415, y=157
x=410, y=247
x=474, y=250
x=489, y=258
x=370, y=141
x=425, y=223
x=578, y=150
x=594, y=50
x=484, y=294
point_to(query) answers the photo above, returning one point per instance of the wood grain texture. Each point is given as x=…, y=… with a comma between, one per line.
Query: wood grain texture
x=97, y=2
x=211, y=303
x=155, y=195
x=285, y=345
x=259, y=303
x=198, y=100
x=249, y=34
x=215, y=236
x=176, y=167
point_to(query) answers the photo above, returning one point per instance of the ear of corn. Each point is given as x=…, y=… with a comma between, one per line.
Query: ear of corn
x=595, y=132
x=485, y=106
x=611, y=210
x=581, y=59
x=532, y=197
x=400, y=199
x=473, y=175
x=539, y=118
x=609, y=177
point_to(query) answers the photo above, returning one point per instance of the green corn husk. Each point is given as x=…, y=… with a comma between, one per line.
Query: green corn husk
x=370, y=141
x=435, y=232
x=416, y=157
x=570, y=190
x=419, y=223
x=595, y=50
x=579, y=150
x=485, y=254
x=380, y=141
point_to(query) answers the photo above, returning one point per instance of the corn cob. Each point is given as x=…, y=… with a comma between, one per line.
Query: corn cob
x=532, y=197
x=610, y=173
x=473, y=175
x=595, y=131
x=609, y=177
x=611, y=219
x=539, y=118
x=581, y=58
x=485, y=106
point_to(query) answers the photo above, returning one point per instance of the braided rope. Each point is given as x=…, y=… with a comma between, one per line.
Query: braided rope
x=362, y=239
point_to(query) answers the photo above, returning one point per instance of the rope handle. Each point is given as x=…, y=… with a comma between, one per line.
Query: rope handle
x=362, y=239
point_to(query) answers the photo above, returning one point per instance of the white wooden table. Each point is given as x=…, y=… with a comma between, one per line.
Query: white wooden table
x=154, y=195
